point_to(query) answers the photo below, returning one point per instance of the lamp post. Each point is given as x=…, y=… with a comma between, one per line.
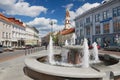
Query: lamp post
x=51, y=23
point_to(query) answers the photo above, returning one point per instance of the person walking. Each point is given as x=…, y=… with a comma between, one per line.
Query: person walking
x=46, y=45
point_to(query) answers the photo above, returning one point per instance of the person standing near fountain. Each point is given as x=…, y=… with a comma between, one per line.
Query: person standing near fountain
x=46, y=45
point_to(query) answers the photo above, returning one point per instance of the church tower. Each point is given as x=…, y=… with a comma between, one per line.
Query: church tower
x=67, y=20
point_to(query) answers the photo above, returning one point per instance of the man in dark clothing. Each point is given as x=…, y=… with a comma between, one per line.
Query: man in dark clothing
x=46, y=44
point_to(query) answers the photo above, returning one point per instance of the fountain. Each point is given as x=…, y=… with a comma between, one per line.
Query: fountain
x=85, y=61
x=73, y=63
x=66, y=43
x=73, y=39
x=50, y=51
x=95, y=52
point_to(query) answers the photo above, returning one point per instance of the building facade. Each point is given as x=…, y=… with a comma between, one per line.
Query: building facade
x=5, y=31
x=14, y=33
x=18, y=33
x=32, y=36
x=100, y=24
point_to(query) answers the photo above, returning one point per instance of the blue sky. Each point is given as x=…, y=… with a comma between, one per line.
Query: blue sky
x=39, y=13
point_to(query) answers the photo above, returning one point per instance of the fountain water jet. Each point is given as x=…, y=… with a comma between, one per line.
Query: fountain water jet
x=73, y=39
x=66, y=43
x=85, y=59
x=95, y=52
x=51, y=52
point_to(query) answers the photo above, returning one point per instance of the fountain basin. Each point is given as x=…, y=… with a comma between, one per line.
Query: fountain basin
x=32, y=63
x=76, y=47
x=41, y=71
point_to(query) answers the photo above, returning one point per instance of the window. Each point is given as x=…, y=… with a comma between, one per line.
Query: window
x=116, y=26
x=77, y=32
x=97, y=17
x=9, y=35
x=3, y=25
x=116, y=11
x=6, y=35
x=88, y=30
x=3, y=33
x=81, y=24
x=97, y=29
x=12, y=34
x=88, y=20
x=106, y=14
x=106, y=28
x=81, y=32
x=77, y=24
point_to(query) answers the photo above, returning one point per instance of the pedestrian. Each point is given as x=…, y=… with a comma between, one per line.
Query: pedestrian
x=46, y=44
x=60, y=45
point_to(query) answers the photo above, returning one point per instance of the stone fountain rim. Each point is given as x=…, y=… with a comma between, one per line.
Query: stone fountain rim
x=32, y=63
x=73, y=47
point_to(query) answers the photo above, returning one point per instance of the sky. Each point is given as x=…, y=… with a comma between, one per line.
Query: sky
x=39, y=13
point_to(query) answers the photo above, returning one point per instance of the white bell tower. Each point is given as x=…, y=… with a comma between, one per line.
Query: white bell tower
x=67, y=20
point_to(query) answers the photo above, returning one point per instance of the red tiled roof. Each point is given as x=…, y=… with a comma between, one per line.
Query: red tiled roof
x=67, y=31
x=3, y=17
x=11, y=20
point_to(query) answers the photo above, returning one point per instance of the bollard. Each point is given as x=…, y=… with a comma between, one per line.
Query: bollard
x=25, y=52
x=111, y=75
x=29, y=51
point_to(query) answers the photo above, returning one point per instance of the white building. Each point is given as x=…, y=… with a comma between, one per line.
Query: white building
x=5, y=31
x=32, y=36
x=100, y=24
x=14, y=33
x=18, y=33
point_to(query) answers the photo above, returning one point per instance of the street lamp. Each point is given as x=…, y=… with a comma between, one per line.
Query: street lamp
x=51, y=23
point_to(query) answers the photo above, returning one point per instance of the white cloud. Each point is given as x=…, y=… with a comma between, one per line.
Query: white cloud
x=42, y=24
x=68, y=6
x=13, y=7
x=86, y=7
x=80, y=10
